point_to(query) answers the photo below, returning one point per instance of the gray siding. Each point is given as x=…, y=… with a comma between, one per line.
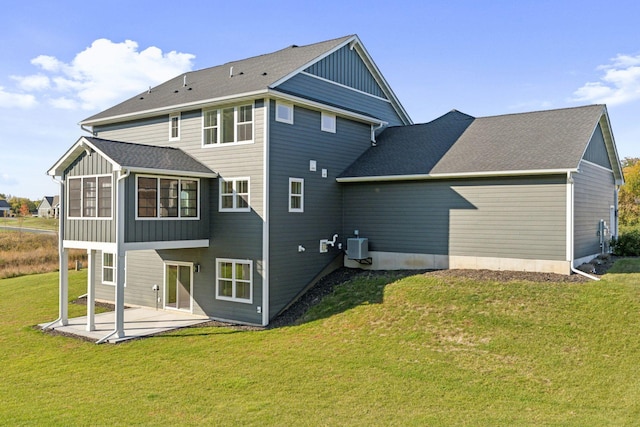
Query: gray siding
x=597, y=151
x=291, y=149
x=94, y=229
x=154, y=230
x=319, y=90
x=236, y=235
x=593, y=196
x=506, y=218
x=347, y=68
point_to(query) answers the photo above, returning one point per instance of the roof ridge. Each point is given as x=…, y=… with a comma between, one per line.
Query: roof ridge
x=542, y=111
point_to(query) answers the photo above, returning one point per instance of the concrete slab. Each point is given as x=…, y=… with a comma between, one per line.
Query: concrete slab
x=138, y=322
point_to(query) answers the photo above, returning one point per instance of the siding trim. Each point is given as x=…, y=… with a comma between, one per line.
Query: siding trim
x=80, y=244
x=170, y=244
x=345, y=86
x=265, y=215
x=596, y=165
x=569, y=244
x=419, y=177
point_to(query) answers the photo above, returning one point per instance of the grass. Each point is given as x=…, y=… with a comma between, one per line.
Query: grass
x=40, y=223
x=422, y=350
x=29, y=253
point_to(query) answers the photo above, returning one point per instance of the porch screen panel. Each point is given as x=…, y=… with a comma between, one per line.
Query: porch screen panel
x=188, y=198
x=104, y=196
x=169, y=198
x=75, y=198
x=89, y=197
x=147, y=197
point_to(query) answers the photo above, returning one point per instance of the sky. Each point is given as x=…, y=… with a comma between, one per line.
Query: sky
x=63, y=61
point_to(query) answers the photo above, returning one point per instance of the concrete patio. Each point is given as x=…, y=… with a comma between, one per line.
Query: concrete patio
x=138, y=322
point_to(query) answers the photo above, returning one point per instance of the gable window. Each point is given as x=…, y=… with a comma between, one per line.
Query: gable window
x=89, y=197
x=328, y=122
x=108, y=268
x=284, y=112
x=174, y=127
x=234, y=195
x=296, y=195
x=227, y=125
x=234, y=279
x=167, y=197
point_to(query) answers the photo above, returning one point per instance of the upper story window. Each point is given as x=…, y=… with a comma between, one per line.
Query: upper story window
x=284, y=112
x=89, y=197
x=174, y=127
x=328, y=122
x=227, y=125
x=296, y=195
x=234, y=195
x=167, y=197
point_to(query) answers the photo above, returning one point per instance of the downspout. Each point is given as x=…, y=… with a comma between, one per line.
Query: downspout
x=87, y=130
x=373, y=132
x=121, y=176
x=570, y=226
x=60, y=247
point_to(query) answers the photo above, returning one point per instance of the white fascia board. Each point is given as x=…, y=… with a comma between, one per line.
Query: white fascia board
x=324, y=107
x=81, y=145
x=154, y=171
x=205, y=103
x=610, y=143
x=423, y=177
x=171, y=244
x=97, y=246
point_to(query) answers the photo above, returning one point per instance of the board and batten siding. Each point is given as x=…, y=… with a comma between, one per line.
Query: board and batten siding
x=292, y=148
x=308, y=86
x=92, y=229
x=520, y=218
x=235, y=235
x=594, y=192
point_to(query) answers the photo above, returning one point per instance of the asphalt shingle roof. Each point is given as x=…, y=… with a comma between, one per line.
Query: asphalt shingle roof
x=139, y=156
x=457, y=143
x=249, y=75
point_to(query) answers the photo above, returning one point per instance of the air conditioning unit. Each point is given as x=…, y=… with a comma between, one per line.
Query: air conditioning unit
x=358, y=248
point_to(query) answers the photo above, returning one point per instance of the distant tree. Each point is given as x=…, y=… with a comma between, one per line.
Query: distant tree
x=629, y=196
x=24, y=210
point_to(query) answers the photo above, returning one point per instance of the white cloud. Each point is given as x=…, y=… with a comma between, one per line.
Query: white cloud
x=102, y=75
x=16, y=100
x=619, y=84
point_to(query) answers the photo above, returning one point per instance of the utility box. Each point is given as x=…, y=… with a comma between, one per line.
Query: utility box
x=358, y=248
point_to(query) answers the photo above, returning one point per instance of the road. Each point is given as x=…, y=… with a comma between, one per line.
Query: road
x=26, y=229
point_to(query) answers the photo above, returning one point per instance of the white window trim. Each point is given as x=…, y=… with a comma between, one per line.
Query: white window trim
x=171, y=117
x=289, y=107
x=301, y=195
x=90, y=218
x=167, y=218
x=332, y=128
x=112, y=268
x=235, y=195
x=235, y=126
x=115, y=264
x=233, y=279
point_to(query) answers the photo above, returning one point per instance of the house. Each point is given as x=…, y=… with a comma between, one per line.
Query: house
x=229, y=191
x=5, y=208
x=49, y=207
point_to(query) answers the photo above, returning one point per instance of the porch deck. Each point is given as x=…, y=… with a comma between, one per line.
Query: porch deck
x=138, y=322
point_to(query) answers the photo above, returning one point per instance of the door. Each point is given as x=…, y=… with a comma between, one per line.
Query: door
x=178, y=278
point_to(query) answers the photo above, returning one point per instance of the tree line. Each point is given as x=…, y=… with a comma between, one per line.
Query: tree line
x=629, y=195
x=20, y=205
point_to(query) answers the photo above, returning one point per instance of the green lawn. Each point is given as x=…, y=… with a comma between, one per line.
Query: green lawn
x=50, y=224
x=415, y=351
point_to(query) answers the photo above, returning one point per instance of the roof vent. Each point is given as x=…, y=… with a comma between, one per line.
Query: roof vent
x=231, y=72
x=184, y=81
x=264, y=74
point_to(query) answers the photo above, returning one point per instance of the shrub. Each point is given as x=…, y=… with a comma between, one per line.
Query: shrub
x=627, y=244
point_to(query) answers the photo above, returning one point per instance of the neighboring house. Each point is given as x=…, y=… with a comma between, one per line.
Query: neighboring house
x=236, y=187
x=49, y=207
x=5, y=208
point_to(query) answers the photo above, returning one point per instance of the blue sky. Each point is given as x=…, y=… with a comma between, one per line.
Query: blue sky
x=66, y=60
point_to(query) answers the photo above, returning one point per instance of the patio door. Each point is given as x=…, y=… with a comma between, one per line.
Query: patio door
x=178, y=284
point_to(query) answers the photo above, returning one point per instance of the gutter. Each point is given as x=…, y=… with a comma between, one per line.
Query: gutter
x=570, y=231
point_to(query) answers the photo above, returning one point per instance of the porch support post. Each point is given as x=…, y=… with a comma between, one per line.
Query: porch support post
x=64, y=287
x=119, y=300
x=91, y=290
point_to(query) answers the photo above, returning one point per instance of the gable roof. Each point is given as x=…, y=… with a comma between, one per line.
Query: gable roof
x=135, y=158
x=456, y=144
x=236, y=79
x=4, y=204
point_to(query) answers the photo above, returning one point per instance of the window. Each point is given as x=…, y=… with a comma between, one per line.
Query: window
x=90, y=197
x=108, y=268
x=284, y=112
x=167, y=197
x=234, y=280
x=227, y=125
x=234, y=195
x=174, y=127
x=296, y=195
x=328, y=122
